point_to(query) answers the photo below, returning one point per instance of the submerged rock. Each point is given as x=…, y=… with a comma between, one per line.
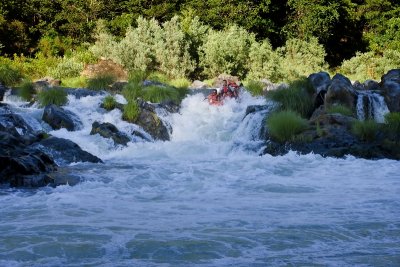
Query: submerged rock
x=108, y=130
x=58, y=118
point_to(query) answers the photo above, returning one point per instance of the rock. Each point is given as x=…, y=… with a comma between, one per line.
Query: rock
x=320, y=81
x=340, y=92
x=3, y=90
x=333, y=119
x=65, y=151
x=198, y=85
x=219, y=80
x=105, y=67
x=141, y=135
x=390, y=84
x=169, y=106
x=79, y=93
x=153, y=125
x=59, y=118
x=255, y=108
x=45, y=83
x=118, y=86
x=108, y=130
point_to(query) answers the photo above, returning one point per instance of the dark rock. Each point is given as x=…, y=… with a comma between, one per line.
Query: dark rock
x=169, y=106
x=153, y=125
x=59, y=118
x=65, y=151
x=391, y=89
x=108, y=130
x=118, y=86
x=141, y=135
x=79, y=93
x=320, y=81
x=340, y=92
x=255, y=108
x=3, y=90
x=198, y=85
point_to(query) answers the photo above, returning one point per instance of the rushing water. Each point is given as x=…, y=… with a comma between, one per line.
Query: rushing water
x=203, y=199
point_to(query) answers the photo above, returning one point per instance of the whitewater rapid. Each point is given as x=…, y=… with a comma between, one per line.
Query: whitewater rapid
x=205, y=198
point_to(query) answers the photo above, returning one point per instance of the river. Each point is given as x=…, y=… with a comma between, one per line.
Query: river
x=205, y=198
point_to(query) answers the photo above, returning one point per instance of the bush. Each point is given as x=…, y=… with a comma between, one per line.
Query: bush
x=131, y=112
x=74, y=82
x=68, y=67
x=255, y=87
x=340, y=109
x=181, y=83
x=9, y=76
x=226, y=51
x=137, y=76
x=109, y=103
x=101, y=82
x=295, y=97
x=365, y=130
x=26, y=90
x=157, y=94
x=132, y=91
x=54, y=96
x=284, y=125
x=392, y=121
x=369, y=65
x=264, y=63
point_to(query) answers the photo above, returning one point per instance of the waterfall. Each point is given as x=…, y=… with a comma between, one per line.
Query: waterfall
x=371, y=105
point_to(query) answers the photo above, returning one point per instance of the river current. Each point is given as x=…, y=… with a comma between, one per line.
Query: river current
x=205, y=198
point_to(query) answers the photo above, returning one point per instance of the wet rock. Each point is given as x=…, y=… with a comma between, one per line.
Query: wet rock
x=108, y=130
x=390, y=84
x=141, y=135
x=59, y=118
x=198, y=85
x=255, y=108
x=153, y=125
x=65, y=151
x=169, y=106
x=340, y=92
x=320, y=81
x=3, y=90
x=80, y=92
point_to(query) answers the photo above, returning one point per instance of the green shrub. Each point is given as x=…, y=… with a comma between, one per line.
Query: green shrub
x=295, y=97
x=255, y=87
x=74, y=82
x=158, y=77
x=132, y=91
x=284, y=125
x=181, y=83
x=9, y=76
x=157, y=94
x=54, y=96
x=392, y=121
x=365, y=130
x=226, y=51
x=137, y=76
x=26, y=90
x=109, y=103
x=36, y=67
x=68, y=67
x=131, y=112
x=340, y=109
x=101, y=82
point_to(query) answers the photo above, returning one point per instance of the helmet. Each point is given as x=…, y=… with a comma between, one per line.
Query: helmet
x=218, y=90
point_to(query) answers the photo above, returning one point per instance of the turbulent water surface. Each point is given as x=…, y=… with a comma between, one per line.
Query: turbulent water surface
x=203, y=199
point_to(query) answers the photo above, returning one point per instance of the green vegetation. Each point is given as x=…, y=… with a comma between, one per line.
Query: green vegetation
x=131, y=111
x=9, y=76
x=157, y=94
x=285, y=125
x=255, y=87
x=340, y=109
x=101, y=82
x=26, y=90
x=392, y=121
x=365, y=130
x=132, y=91
x=74, y=82
x=54, y=96
x=295, y=97
x=109, y=102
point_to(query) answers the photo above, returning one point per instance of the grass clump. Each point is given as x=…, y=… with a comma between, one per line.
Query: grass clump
x=392, y=121
x=131, y=112
x=26, y=90
x=255, y=87
x=132, y=91
x=9, y=76
x=74, y=82
x=109, y=103
x=295, y=97
x=101, y=82
x=54, y=96
x=285, y=125
x=340, y=109
x=157, y=94
x=137, y=76
x=365, y=130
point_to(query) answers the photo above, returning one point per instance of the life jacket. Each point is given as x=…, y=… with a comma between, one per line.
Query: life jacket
x=226, y=92
x=213, y=99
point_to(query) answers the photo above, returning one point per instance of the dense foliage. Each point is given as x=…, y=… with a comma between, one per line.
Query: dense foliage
x=278, y=40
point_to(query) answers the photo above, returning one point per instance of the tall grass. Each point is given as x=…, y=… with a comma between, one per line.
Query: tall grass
x=137, y=76
x=109, y=103
x=26, y=90
x=255, y=87
x=392, y=121
x=157, y=94
x=365, y=130
x=131, y=112
x=132, y=91
x=340, y=109
x=54, y=96
x=9, y=76
x=295, y=97
x=284, y=125
x=101, y=82
x=74, y=82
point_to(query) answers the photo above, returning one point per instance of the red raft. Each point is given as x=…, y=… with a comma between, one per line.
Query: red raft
x=230, y=90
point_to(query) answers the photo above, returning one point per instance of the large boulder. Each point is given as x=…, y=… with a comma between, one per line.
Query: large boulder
x=153, y=125
x=198, y=85
x=65, y=151
x=58, y=118
x=80, y=92
x=105, y=67
x=341, y=92
x=390, y=84
x=108, y=130
x=320, y=81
